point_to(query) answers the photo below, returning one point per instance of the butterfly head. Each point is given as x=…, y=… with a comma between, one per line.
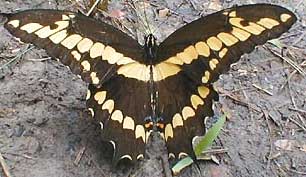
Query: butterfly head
x=150, y=46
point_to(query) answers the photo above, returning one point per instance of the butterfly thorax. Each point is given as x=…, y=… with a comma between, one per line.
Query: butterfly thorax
x=150, y=49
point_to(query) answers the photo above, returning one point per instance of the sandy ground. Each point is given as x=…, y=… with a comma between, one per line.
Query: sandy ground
x=44, y=124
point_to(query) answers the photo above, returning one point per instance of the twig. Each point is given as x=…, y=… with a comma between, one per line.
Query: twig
x=4, y=167
x=289, y=61
x=266, y=115
x=297, y=109
x=297, y=123
x=79, y=156
x=40, y=59
x=93, y=7
x=262, y=89
x=17, y=57
x=242, y=102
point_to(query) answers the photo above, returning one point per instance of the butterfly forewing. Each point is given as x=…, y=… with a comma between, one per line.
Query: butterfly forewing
x=90, y=48
x=202, y=50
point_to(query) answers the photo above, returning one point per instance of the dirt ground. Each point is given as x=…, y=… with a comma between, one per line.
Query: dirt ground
x=44, y=124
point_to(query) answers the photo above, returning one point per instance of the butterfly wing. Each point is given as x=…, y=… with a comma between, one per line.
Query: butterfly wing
x=200, y=52
x=92, y=49
x=98, y=53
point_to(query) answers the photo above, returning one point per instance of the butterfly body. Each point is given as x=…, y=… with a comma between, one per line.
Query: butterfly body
x=134, y=89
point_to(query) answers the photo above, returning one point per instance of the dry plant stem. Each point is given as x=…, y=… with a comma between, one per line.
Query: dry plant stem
x=4, y=167
x=242, y=102
x=262, y=89
x=288, y=60
x=79, y=156
x=266, y=116
x=93, y=7
x=297, y=123
x=280, y=169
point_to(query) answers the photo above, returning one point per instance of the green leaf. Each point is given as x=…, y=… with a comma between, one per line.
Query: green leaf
x=203, y=144
x=210, y=136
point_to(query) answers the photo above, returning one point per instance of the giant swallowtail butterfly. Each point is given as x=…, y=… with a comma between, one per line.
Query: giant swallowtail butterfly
x=133, y=89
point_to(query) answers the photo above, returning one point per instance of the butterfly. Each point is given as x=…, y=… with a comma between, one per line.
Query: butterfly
x=137, y=89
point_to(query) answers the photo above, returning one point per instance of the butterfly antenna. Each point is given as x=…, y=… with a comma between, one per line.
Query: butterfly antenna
x=133, y=6
x=164, y=21
x=146, y=19
x=93, y=7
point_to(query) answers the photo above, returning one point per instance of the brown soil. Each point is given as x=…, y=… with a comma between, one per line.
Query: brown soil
x=44, y=124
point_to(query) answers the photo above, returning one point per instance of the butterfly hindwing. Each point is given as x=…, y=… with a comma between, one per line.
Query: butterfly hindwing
x=120, y=107
x=92, y=49
x=201, y=51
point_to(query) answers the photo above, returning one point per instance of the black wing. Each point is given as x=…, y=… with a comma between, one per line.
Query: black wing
x=200, y=52
x=98, y=53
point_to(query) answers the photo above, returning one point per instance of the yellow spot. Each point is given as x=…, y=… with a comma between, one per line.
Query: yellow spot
x=164, y=70
x=202, y=49
x=100, y=97
x=94, y=78
x=140, y=132
x=31, y=27
x=182, y=155
x=65, y=17
x=227, y=39
x=214, y=43
x=196, y=101
x=108, y=105
x=71, y=16
x=135, y=70
x=148, y=133
x=117, y=116
x=171, y=155
x=252, y=27
x=175, y=60
x=233, y=14
x=126, y=157
x=213, y=63
x=177, y=120
x=223, y=52
x=125, y=60
x=188, y=55
x=128, y=123
x=110, y=55
x=58, y=37
x=86, y=65
x=91, y=112
x=187, y=112
x=71, y=41
x=240, y=34
x=268, y=22
x=140, y=156
x=88, y=94
x=14, y=23
x=206, y=77
x=168, y=132
x=285, y=17
x=96, y=50
x=203, y=91
x=76, y=55
x=84, y=45
x=47, y=31
x=162, y=135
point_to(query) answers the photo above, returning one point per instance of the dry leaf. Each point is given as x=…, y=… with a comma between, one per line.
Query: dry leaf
x=284, y=144
x=163, y=12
